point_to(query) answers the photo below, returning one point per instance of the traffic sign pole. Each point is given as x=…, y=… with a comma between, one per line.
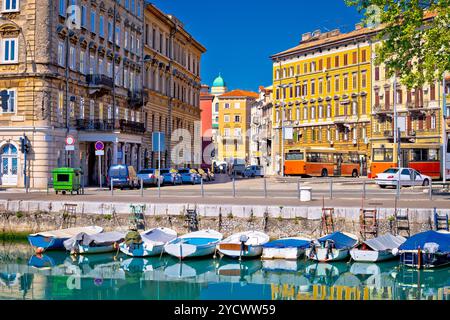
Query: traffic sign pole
x=99, y=151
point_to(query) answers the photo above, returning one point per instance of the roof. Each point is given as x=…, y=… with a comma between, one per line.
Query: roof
x=441, y=238
x=219, y=82
x=327, y=38
x=239, y=94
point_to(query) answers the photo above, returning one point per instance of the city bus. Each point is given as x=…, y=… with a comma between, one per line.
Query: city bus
x=424, y=159
x=322, y=163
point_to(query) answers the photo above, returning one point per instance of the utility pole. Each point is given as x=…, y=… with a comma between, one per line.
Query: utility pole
x=397, y=133
x=444, y=129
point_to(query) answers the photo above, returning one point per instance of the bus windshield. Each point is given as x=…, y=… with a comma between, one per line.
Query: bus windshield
x=295, y=156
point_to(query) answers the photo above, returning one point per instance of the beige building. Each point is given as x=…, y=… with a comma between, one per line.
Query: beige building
x=83, y=77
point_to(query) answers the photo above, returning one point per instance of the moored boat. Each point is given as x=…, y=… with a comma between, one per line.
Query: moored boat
x=195, y=244
x=148, y=243
x=243, y=244
x=54, y=240
x=286, y=248
x=83, y=243
x=377, y=249
x=332, y=247
x=429, y=249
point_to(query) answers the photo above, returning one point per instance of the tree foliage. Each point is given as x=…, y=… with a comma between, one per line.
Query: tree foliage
x=415, y=48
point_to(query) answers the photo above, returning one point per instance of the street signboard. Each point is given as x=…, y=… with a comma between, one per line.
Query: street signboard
x=158, y=142
x=289, y=133
x=70, y=147
x=99, y=145
x=70, y=140
x=99, y=152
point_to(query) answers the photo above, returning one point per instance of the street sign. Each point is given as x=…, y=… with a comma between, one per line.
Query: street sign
x=70, y=140
x=288, y=133
x=158, y=142
x=70, y=147
x=99, y=145
x=99, y=152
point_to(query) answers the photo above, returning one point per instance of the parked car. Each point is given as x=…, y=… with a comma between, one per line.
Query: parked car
x=122, y=176
x=408, y=177
x=150, y=177
x=253, y=171
x=171, y=176
x=189, y=176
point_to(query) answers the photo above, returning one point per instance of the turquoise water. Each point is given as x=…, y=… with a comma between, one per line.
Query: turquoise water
x=56, y=275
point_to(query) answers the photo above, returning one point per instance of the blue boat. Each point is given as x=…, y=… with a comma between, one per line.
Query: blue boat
x=429, y=249
x=332, y=247
x=286, y=248
x=54, y=240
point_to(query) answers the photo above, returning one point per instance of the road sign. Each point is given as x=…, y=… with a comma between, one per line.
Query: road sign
x=99, y=145
x=99, y=152
x=70, y=140
x=158, y=142
x=70, y=147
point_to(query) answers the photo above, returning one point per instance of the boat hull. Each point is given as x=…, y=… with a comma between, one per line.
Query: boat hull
x=93, y=250
x=370, y=255
x=233, y=250
x=428, y=260
x=183, y=250
x=321, y=254
x=141, y=250
x=282, y=253
x=47, y=243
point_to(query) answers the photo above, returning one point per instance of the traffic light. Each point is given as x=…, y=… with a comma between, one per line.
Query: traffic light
x=25, y=145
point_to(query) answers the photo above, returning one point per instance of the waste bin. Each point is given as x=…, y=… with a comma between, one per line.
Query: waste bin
x=67, y=180
x=305, y=194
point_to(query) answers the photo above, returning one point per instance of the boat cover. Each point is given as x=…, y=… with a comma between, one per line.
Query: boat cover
x=341, y=240
x=287, y=243
x=157, y=235
x=94, y=240
x=70, y=232
x=385, y=242
x=420, y=239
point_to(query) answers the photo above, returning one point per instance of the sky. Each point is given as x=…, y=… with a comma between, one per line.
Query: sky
x=241, y=35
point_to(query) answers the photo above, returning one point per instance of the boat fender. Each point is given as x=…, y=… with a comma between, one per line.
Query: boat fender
x=40, y=250
x=395, y=251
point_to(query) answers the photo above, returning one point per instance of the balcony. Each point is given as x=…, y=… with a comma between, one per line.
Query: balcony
x=378, y=109
x=94, y=125
x=99, y=84
x=388, y=133
x=137, y=98
x=131, y=127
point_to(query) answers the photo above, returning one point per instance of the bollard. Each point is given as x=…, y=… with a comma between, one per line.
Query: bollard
x=142, y=187
x=112, y=187
x=398, y=188
x=364, y=189
x=298, y=189
x=203, y=191
x=431, y=190
x=331, y=188
x=159, y=188
x=265, y=188
x=234, y=187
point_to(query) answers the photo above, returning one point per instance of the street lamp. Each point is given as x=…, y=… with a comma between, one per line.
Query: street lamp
x=283, y=111
x=397, y=134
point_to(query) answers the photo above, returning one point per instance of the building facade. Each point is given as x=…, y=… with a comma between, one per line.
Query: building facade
x=234, y=125
x=77, y=71
x=322, y=91
x=206, y=106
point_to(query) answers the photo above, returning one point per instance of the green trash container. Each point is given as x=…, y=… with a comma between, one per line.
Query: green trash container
x=67, y=180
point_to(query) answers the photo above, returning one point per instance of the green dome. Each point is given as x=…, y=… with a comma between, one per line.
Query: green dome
x=219, y=82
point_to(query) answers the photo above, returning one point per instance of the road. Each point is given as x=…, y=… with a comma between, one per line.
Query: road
x=279, y=191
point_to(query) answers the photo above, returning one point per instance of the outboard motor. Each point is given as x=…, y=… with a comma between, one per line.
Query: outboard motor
x=329, y=245
x=313, y=252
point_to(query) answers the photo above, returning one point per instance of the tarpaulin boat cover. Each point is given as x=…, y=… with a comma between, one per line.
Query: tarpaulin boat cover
x=99, y=239
x=385, y=242
x=441, y=238
x=158, y=235
x=287, y=243
x=341, y=241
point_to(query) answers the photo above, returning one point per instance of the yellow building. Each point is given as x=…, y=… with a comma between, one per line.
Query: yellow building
x=234, y=123
x=324, y=86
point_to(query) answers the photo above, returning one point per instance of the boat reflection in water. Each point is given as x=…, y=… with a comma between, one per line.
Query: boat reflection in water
x=57, y=275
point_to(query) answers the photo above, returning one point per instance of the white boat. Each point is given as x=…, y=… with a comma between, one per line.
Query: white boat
x=281, y=265
x=238, y=270
x=332, y=247
x=286, y=248
x=243, y=244
x=83, y=243
x=377, y=249
x=189, y=269
x=195, y=244
x=151, y=242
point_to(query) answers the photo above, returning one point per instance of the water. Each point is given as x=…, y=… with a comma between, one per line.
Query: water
x=56, y=275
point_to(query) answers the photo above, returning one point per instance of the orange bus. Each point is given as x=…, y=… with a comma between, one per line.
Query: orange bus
x=321, y=163
x=426, y=160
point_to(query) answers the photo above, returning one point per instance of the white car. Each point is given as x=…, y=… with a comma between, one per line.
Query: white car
x=408, y=177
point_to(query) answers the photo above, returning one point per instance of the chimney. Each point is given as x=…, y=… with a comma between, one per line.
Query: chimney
x=358, y=26
x=306, y=36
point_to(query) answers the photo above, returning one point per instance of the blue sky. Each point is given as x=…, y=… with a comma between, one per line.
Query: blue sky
x=240, y=35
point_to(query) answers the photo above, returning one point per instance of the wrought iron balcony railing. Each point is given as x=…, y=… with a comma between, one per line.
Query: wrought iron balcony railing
x=94, y=125
x=131, y=127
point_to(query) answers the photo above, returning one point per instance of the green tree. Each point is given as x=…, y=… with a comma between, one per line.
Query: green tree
x=412, y=45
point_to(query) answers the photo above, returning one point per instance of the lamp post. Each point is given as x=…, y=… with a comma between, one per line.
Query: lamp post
x=283, y=110
x=397, y=133
x=444, y=129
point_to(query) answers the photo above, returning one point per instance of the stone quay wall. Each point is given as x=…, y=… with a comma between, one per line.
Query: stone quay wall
x=33, y=216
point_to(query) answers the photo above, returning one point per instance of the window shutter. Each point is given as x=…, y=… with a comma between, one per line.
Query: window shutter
x=428, y=120
x=387, y=94
x=432, y=92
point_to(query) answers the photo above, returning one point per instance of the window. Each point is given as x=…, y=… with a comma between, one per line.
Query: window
x=110, y=31
x=61, y=54
x=118, y=36
x=313, y=112
x=9, y=51
x=216, y=107
x=10, y=5
x=93, y=21
x=92, y=64
x=313, y=87
x=336, y=83
x=363, y=105
x=237, y=105
x=81, y=113
x=91, y=109
x=345, y=59
x=11, y=104
x=60, y=105
x=226, y=132
x=354, y=58
x=83, y=62
x=237, y=118
x=383, y=154
x=227, y=106
x=237, y=132
x=354, y=108
x=364, y=79
x=328, y=84
x=320, y=112
x=363, y=56
x=101, y=29
x=377, y=73
x=313, y=66
x=320, y=86
x=305, y=113
x=328, y=63
x=73, y=58
x=345, y=82
x=336, y=61
x=355, y=80
x=125, y=40
x=305, y=88
x=329, y=111
x=83, y=16
x=226, y=118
